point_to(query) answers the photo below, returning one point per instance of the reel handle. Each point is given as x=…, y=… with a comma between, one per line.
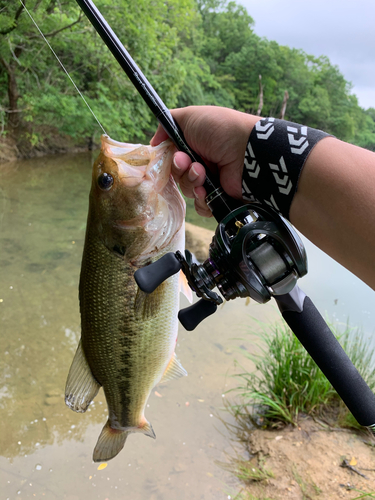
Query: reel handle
x=191, y=316
x=312, y=331
x=148, y=278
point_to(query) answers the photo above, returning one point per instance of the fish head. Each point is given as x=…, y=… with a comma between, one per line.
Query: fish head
x=135, y=204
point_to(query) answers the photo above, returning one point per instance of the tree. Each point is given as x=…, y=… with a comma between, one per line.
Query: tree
x=16, y=40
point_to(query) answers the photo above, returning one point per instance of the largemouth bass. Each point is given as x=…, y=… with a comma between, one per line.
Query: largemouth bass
x=136, y=215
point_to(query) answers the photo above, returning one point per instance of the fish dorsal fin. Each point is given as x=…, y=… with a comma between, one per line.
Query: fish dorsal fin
x=146, y=305
x=173, y=370
x=81, y=387
x=184, y=287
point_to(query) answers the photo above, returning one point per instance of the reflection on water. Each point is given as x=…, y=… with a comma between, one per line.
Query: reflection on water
x=45, y=448
x=42, y=231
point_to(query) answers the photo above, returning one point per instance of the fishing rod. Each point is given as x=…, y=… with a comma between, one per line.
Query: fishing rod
x=254, y=253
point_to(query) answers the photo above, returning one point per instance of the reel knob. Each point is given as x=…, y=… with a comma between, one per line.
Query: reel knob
x=191, y=316
x=148, y=278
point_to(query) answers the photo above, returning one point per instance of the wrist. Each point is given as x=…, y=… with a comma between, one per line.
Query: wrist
x=239, y=128
x=275, y=156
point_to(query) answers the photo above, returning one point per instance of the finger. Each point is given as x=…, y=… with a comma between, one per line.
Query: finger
x=193, y=177
x=160, y=136
x=200, y=204
x=181, y=163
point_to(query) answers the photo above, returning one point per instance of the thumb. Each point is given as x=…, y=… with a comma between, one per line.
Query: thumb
x=159, y=136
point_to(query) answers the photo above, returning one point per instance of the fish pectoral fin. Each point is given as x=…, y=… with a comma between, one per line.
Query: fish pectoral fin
x=173, y=370
x=110, y=443
x=81, y=387
x=184, y=287
x=146, y=305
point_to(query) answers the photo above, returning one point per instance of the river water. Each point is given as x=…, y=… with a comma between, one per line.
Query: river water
x=45, y=448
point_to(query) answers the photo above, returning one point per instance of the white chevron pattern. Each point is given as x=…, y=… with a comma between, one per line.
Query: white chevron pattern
x=299, y=144
x=272, y=203
x=246, y=193
x=264, y=131
x=250, y=162
x=283, y=182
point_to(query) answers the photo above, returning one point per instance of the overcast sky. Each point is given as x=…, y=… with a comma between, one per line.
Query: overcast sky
x=343, y=30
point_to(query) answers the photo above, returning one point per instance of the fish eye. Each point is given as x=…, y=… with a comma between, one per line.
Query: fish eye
x=105, y=181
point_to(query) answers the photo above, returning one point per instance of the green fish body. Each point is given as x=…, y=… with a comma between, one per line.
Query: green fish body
x=136, y=215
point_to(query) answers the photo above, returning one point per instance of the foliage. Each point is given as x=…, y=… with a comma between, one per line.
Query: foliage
x=248, y=473
x=287, y=382
x=192, y=51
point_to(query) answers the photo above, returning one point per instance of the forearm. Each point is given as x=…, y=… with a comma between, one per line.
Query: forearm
x=335, y=205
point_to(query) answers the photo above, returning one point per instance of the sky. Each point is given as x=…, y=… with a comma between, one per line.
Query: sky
x=343, y=30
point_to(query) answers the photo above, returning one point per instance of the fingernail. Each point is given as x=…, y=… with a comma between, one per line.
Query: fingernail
x=195, y=194
x=175, y=164
x=193, y=174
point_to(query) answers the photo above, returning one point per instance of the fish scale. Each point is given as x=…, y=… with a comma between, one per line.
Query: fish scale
x=128, y=338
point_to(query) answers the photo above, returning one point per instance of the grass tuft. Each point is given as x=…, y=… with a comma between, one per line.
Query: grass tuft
x=247, y=472
x=288, y=383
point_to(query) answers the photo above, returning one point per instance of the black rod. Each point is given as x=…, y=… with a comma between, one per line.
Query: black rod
x=218, y=201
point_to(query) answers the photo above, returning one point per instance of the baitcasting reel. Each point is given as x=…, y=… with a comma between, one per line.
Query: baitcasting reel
x=254, y=253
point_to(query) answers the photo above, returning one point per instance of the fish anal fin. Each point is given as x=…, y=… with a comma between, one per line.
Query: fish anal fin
x=146, y=305
x=81, y=387
x=110, y=443
x=173, y=370
x=144, y=427
x=184, y=287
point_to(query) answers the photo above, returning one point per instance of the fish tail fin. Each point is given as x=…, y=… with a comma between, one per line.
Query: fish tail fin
x=110, y=443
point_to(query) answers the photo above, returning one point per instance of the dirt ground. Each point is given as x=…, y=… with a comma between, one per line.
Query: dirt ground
x=197, y=240
x=311, y=462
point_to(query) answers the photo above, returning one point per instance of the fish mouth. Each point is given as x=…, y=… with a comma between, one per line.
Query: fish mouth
x=136, y=163
x=149, y=168
x=140, y=220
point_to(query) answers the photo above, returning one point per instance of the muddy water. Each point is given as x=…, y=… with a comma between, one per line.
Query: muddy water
x=45, y=448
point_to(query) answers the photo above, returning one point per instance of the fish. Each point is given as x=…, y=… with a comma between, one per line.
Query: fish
x=128, y=338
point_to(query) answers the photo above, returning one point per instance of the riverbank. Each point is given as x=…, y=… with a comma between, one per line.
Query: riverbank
x=30, y=146
x=310, y=461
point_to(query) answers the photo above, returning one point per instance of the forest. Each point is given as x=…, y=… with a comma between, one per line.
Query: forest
x=192, y=51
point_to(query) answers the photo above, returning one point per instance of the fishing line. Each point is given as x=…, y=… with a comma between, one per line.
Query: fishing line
x=63, y=67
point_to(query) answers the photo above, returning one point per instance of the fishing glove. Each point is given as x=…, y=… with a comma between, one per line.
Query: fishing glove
x=275, y=155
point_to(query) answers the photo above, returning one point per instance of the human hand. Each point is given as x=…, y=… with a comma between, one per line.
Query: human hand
x=219, y=136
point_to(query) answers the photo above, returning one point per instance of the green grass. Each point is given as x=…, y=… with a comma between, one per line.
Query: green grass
x=287, y=382
x=245, y=495
x=247, y=472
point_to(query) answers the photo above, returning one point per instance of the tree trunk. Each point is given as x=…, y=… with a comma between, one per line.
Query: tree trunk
x=283, y=106
x=13, y=96
x=14, y=116
x=260, y=107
